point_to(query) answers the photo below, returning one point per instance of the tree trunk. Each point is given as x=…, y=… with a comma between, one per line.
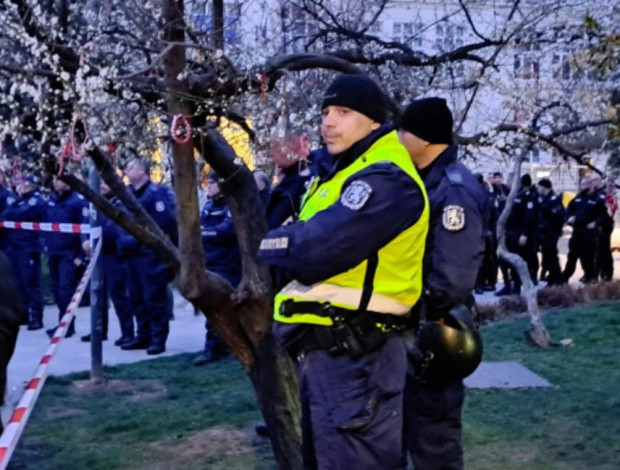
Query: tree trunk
x=241, y=318
x=536, y=334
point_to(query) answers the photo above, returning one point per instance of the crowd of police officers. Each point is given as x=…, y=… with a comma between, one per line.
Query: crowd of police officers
x=136, y=279
x=535, y=225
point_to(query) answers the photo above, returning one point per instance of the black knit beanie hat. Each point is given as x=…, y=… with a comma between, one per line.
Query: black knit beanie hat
x=429, y=119
x=359, y=93
x=212, y=176
x=545, y=183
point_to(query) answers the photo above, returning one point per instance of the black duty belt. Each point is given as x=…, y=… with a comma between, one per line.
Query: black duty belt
x=353, y=332
x=290, y=307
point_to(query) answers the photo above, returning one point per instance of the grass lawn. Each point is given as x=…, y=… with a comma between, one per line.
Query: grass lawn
x=168, y=414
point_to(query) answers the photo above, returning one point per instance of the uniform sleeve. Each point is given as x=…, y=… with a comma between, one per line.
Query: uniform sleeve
x=457, y=247
x=163, y=213
x=384, y=202
x=557, y=216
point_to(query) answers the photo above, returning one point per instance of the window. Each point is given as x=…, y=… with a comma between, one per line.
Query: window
x=526, y=59
x=376, y=27
x=407, y=33
x=448, y=37
x=232, y=20
x=561, y=66
x=298, y=27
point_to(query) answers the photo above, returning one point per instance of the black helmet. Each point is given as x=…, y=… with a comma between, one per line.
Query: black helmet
x=452, y=347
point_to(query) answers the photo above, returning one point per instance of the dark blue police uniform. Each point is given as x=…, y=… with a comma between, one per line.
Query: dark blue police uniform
x=550, y=222
x=522, y=220
x=23, y=248
x=605, y=227
x=63, y=249
x=115, y=278
x=351, y=406
x=459, y=215
x=586, y=209
x=147, y=275
x=221, y=251
x=285, y=198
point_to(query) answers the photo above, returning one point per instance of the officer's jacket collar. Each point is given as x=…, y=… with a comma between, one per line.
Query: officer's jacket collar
x=61, y=196
x=217, y=202
x=344, y=159
x=434, y=173
x=291, y=170
x=29, y=194
x=142, y=189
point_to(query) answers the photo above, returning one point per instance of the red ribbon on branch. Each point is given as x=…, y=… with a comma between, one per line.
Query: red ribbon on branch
x=70, y=149
x=178, y=135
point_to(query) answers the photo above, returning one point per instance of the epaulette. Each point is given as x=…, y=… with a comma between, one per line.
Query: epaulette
x=455, y=177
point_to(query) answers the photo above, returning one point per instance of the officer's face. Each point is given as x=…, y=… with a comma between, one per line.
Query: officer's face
x=213, y=189
x=414, y=145
x=59, y=186
x=342, y=127
x=283, y=152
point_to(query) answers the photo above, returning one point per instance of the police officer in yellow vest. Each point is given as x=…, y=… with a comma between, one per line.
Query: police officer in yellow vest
x=355, y=259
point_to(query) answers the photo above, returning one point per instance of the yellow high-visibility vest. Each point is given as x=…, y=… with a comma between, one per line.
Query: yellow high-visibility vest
x=397, y=283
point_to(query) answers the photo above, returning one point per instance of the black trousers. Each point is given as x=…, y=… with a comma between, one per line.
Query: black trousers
x=432, y=424
x=582, y=247
x=550, y=262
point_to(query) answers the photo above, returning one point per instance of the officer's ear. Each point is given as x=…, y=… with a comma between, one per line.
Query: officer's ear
x=375, y=125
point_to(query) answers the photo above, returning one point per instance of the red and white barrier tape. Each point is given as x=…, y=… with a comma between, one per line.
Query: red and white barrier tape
x=17, y=423
x=46, y=226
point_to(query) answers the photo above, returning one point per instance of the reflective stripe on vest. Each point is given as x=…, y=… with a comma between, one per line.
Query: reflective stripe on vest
x=394, y=280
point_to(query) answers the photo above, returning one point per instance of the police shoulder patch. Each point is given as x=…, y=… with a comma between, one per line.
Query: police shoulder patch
x=160, y=206
x=453, y=218
x=356, y=195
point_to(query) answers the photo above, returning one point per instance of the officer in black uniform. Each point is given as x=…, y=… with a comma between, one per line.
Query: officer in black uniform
x=64, y=250
x=23, y=247
x=582, y=214
x=222, y=256
x=455, y=244
x=605, y=226
x=550, y=223
x=148, y=276
x=288, y=154
x=114, y=274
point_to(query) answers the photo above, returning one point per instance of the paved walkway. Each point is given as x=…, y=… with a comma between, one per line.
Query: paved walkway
x=187, y=334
